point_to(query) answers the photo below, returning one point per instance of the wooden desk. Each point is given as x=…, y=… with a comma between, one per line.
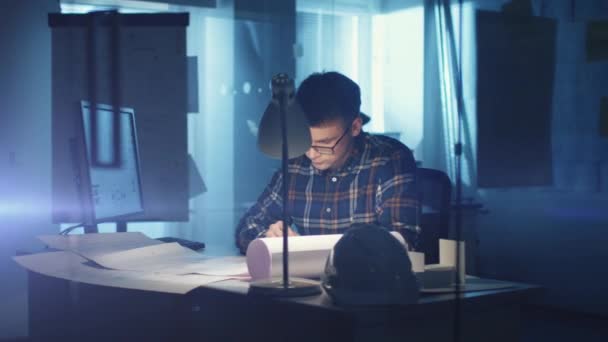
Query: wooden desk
x=225, y=312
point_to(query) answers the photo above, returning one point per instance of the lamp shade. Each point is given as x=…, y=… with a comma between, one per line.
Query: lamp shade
x=298, y=132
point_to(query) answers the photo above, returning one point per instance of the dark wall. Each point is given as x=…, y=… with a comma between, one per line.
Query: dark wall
x=555, y=235
x=515, y=74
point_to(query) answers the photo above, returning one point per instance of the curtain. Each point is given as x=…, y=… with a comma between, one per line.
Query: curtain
x=450, y=89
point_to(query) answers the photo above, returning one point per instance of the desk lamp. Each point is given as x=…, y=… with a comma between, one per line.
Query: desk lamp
x=283, y=134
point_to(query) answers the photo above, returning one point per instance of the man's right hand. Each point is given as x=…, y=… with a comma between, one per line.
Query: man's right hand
x=276, y=230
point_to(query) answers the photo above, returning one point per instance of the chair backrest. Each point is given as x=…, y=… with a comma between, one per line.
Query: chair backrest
x=434, y=196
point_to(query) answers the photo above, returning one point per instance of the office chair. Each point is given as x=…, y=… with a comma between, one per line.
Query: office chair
x=434, y=196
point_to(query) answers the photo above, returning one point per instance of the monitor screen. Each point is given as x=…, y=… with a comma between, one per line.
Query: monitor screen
x=115, y=188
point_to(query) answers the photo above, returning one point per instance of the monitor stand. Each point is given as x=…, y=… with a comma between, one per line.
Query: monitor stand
x=121, y=226
x=90, y=228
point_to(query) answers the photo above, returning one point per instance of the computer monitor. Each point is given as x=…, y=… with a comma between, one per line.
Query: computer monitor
x=115, y=191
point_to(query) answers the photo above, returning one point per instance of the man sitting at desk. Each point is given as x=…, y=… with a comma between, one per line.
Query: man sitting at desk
x=347, y=176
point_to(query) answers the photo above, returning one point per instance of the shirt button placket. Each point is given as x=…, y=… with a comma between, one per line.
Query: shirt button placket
x=334, y=179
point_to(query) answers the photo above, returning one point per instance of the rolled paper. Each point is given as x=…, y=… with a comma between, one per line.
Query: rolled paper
x=307, y=255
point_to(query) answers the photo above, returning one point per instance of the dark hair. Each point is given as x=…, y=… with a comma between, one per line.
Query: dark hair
x=328, y=96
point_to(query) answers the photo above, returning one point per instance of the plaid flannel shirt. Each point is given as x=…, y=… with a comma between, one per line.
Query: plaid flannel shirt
x=375, y=185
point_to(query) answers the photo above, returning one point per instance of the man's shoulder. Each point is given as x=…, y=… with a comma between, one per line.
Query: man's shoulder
x=388, y=154
x=382, y=146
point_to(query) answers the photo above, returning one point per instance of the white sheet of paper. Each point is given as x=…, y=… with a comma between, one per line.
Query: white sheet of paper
x=171, y=258
x=93, y=245
x=417, y=260
x=307, y=255
x=447, y=255
x=67, y=265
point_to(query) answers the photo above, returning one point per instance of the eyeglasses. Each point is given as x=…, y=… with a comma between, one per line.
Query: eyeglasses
x=327, y=149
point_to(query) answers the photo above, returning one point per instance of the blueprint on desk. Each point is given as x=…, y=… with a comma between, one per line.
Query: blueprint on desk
x=172, y=258
x=92, y=245
x=70, y=266
x=134, y=251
